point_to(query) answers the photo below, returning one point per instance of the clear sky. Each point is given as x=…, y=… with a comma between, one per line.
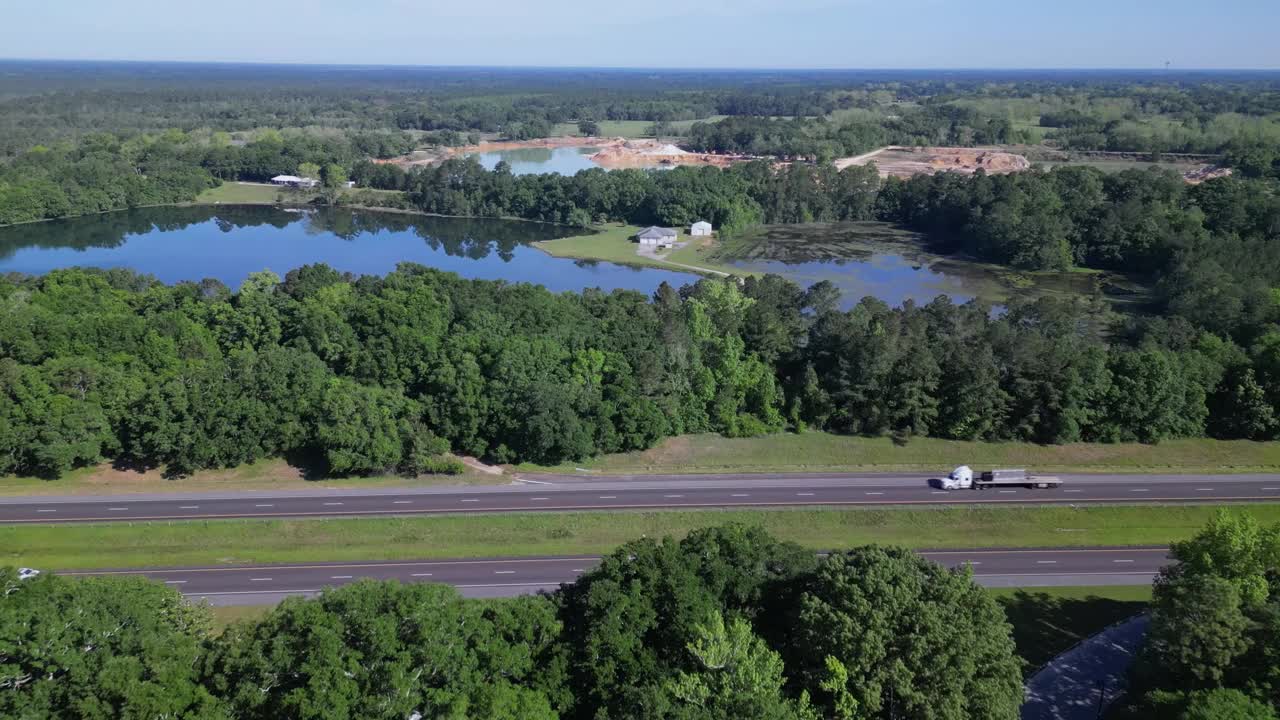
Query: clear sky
x=656, y=33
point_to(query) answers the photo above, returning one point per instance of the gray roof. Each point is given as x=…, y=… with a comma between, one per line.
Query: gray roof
x=656, y=232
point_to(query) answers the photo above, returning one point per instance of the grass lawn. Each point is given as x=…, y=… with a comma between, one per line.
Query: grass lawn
x=234, y=193
x=1048, y=621
x=613, y=244
x=263, y=475
x=821, y=452
x=152, y=544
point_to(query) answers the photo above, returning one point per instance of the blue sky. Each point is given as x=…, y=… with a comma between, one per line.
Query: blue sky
x=657, y=33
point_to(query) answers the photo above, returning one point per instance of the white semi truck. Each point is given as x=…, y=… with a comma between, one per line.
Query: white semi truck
x=962, y=478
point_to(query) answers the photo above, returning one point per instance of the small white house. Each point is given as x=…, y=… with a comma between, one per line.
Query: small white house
x=294, y=181
x=656, y=236
x=700, y=228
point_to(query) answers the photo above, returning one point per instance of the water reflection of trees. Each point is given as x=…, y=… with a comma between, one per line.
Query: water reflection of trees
x=460, y=237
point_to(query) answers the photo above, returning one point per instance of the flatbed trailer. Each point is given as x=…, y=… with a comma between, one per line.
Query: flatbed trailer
x=963, y=478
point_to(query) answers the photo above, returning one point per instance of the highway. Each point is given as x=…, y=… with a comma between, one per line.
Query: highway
x=540, y=493
x=261, y=584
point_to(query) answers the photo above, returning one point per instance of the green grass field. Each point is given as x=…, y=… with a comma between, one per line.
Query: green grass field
x=613, y=244
x=222, y=542
x=274, y=474
x=821, y=452
x=234, y=193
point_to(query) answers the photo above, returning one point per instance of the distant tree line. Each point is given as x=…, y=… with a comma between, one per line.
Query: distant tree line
x=726, y=624
x=107, y=172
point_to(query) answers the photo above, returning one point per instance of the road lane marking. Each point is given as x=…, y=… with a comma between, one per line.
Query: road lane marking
x=259, y=579
x=577, y=570
x=941, y=492
x=1046, y=562
x=504, y=572
x=973, y=562
x=608, y=497
x=470, y=499
x=422, y=575
x=873, y=493
x=401, y=502
x=1139, y=490
x=265, y=505
x=804, y=494
x=333, y=503
x=1008, y=492
x=1028, y=500
x=340, y=577
x=1271, y=488
x=174, y=582
x=1204, y=489
x=740, y=495
x=1121, y=561
x=117, y=508
x=44, y=510
x=188, y=507
x=533, y=482
x=532, y=499
x=672, y=496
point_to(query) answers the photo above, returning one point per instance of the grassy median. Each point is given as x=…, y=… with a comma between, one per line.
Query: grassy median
x=278, y=541
x=825, y=452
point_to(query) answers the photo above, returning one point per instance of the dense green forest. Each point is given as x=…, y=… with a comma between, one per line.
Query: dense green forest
x=376, y=374
x=726, y=623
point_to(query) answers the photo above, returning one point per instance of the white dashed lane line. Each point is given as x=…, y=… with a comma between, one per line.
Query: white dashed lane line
x=874, y=493
x=504, y=572
x=265, y=505
x=470, y=499
x=44, y=510
x=1121, y=561
x=327, y=504
x=1046, y=562
x=422, y=575
x=608, y=497
x=117, y=509
x=340, y=577
x=1139, y=490
x=740, y=495
x=401, y=502
x=672, y=496
x=175, y=582
x=804, y=494
x=259, y=579
x=188, y=507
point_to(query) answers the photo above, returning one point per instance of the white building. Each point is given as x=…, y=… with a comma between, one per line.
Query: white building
x=700, y=228
x=656, y=236
x=294, y=181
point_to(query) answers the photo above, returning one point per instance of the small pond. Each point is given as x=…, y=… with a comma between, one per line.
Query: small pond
x=532, y=161
x=229, y=242
x=871, y=258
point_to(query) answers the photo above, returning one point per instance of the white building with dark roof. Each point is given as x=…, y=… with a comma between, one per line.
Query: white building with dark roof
x=656, y=236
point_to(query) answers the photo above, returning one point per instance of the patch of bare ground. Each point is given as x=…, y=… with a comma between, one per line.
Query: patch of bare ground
x=899, y=161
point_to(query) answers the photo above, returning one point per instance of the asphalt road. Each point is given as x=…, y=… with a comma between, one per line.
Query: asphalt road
x=575, y=493
x=257, y=584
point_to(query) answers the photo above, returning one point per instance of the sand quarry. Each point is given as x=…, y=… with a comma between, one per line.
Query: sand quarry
x=904, y=162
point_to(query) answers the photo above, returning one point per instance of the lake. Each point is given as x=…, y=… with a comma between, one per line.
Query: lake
x=532, y=161
x=229, y=242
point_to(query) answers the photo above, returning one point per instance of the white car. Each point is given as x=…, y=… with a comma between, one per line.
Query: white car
x=27, y=573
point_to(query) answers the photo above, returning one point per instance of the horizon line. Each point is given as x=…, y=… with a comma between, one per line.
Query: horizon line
x=271, y=63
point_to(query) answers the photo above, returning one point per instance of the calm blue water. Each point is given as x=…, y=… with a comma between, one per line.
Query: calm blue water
x=229, y=242
x=531, y=161
x=891, y=278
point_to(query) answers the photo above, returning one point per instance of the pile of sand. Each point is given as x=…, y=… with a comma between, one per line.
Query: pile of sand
x=906, y=161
